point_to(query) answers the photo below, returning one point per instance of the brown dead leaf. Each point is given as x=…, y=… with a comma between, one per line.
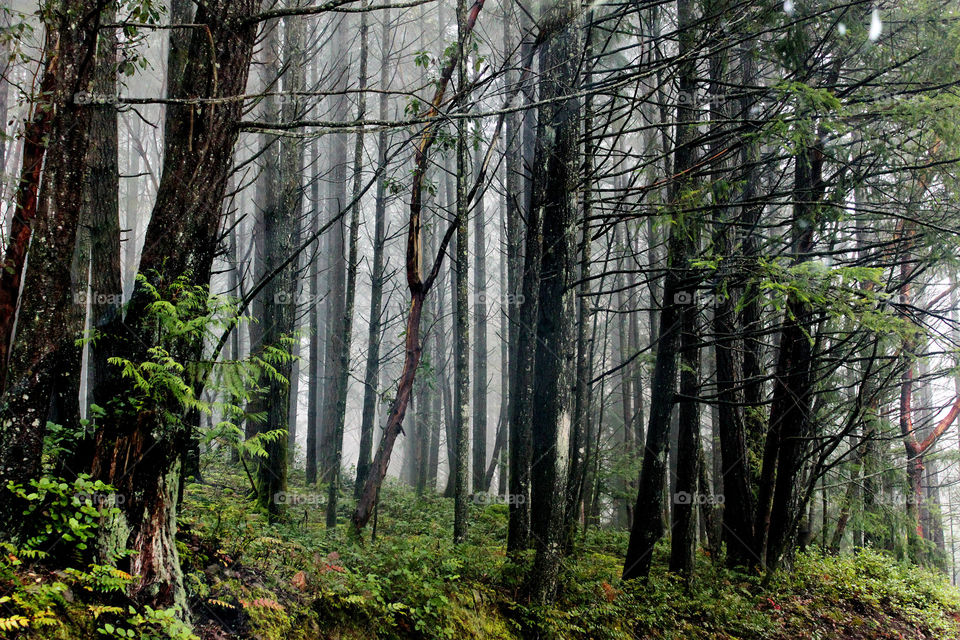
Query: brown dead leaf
x=299, y=581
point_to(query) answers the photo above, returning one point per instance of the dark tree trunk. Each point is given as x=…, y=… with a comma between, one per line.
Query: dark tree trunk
x=751, y=208
x=677, y=305
x=521, y=390
x=627, y=451
x=100, y=227
x=793, y=385
x=733, y=455
x=524, y=317
x=480, y=336
x=139, y=455
x=556, y=180
x=316, y=339
x=282, y=235
x=689, y=453
x=46, y=218
x=337, y=352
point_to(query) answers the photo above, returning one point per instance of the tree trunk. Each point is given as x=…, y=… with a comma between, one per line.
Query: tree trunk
x=139, y=455
x=736, y=475
x=44, y=344
x=337, y=353
x=346, y=322
x=461, y=326
x=677, y=305
x=690, y=451
x=556, y=177
x=101, y=201
x=480, y=333
x=282, y=235
x=316, y=339
x=793, y=385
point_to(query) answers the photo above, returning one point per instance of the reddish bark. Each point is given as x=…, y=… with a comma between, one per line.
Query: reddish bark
x=35, y=137
x=916, y=449
x=418, y=290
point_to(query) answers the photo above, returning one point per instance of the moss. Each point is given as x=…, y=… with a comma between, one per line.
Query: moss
x=248, y=579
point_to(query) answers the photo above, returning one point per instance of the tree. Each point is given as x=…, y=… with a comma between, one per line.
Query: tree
x=181, y=238
x=480, y=383
x=675, y=319
x=282, y=237
x=372, y=368
x=346, y=322
x=556, y=181
x=417, y=284
x=47, y=218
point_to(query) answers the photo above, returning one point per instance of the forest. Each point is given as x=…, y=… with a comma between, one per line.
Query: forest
x=479, y=319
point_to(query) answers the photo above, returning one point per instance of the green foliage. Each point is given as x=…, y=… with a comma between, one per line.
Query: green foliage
x=297, y=580
x=63, y=511
x=46, y=593
x=868, y=588
x=185, y=318
x=288, y=580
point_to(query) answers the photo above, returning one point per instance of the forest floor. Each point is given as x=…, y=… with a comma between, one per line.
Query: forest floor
x=298, y=581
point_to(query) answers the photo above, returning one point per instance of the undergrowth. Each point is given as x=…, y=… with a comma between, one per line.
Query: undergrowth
x=295, y=580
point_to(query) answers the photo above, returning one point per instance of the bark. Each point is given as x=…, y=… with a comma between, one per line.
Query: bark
x=316, y=339
x=337, y=351
x=282, y=235
x=100, y=227
x=750, y=211
x=46, y=217
x=139, y=455
x=520, y=137
x=789, y=421
x=521, y=389
x=689, y=454
x=480, y=383
x=647, y=526
x=461, y=326
x=624, y=508
x=317, y=309
x=732, y=435
x=556, y=180
x=346, y=322
x=418, y=287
